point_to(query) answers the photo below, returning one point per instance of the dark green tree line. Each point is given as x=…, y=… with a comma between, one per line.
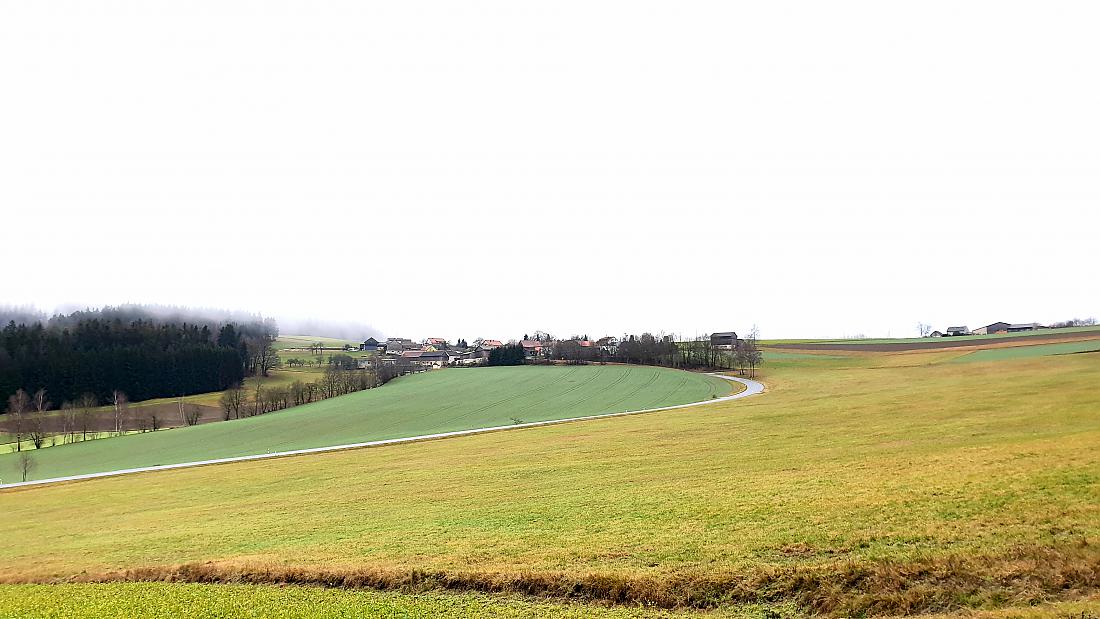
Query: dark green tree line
x=145, y=358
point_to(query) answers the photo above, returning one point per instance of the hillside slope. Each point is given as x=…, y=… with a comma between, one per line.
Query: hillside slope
x=864, y=484
x=427, y=403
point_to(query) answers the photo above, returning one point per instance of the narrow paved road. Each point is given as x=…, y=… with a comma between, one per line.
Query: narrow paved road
x=751, y=388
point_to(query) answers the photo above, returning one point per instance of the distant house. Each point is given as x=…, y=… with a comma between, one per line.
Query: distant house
x=400, y=344
x=955, y=331
x=1027, y=326
x=531, y=348
x=438, y=342
x=462, y=357
x=432, y=358
x=491, y=344
x=935, y=334
x=372, y=345
x=608, y=344
x=725, y=339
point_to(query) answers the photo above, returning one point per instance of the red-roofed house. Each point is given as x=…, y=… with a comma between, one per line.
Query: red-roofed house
x=531, y=348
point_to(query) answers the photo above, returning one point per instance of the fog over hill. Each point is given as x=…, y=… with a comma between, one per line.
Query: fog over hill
x=65, y=315
x=344, y=330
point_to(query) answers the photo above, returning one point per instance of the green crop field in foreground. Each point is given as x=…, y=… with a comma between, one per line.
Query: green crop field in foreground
x=857, y=485
x=194, y=601
x=129, y=600
x=427, y=403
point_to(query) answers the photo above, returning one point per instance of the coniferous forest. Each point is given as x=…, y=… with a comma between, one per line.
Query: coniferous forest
x=133, y=350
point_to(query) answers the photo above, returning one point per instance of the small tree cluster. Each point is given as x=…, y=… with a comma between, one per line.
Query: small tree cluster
x=30, y=418
x=510, y=354
x=1074, y=322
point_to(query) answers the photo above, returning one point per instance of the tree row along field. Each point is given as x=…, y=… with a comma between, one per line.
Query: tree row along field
x=860, y=484
x=427, y=403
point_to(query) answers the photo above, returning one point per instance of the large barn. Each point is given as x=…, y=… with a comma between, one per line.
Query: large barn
x=727, y=339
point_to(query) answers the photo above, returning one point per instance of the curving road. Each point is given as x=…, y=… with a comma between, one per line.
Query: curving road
x=752, y=387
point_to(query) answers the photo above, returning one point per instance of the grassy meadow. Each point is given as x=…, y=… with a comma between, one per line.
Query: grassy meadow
x=859, y=484
x=305, y=341
x=1023, y=352
x=425, y=403
x=992, y=337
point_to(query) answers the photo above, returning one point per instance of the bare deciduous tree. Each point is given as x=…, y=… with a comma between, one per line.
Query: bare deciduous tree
x=18, y=405
x=120, y=406
x=86, y=413
x=69, y=414
x=753, y=355
x=36, y=429
x=231, y=401
x=258, y=400
x=40, y=402
x=264, y=356
x=154, y=419
x=26, y=464
x=191, y=415
x=36, y=422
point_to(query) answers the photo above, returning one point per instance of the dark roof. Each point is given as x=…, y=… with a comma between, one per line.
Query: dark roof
x=371, y=342
x=724, y=334
x=963, y=328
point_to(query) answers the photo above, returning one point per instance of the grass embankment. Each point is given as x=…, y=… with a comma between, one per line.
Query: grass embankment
x=862, y=484
x=427, y=403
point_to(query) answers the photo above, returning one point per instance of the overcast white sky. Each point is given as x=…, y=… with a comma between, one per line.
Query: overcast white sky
x=465, y=169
